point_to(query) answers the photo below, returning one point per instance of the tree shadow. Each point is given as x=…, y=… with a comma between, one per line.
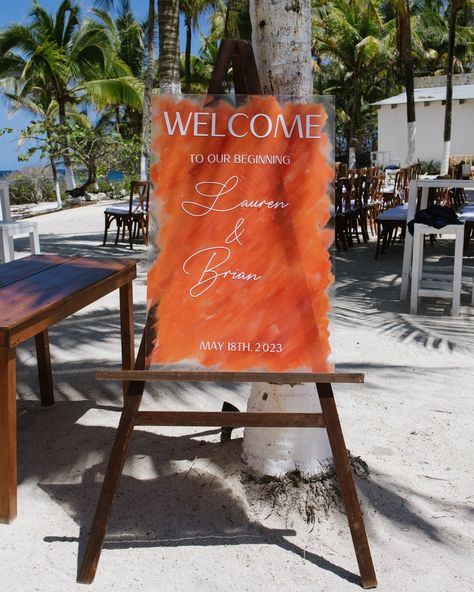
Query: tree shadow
x=84, y=245
x=171, y=504
x=175, y=490
x=369, y=295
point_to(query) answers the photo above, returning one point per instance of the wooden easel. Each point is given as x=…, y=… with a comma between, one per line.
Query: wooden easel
x=246, y=81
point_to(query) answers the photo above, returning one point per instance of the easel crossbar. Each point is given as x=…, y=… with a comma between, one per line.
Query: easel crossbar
x=229, y=419
x=272, y=377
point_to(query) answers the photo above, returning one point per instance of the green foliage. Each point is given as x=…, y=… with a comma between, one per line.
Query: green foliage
x=356, y=48
x=62, y=65
x=431, y=167
x=31, y=185
x=95, y=149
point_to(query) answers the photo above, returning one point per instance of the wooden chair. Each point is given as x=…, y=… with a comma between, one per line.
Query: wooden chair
x=133, y=217
x=373, y=200
x=349, y=210
x=359, y=206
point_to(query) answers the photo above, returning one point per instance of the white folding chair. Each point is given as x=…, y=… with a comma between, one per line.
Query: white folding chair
x=10, y=229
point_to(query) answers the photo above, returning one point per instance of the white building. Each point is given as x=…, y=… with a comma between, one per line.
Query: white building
x=430, y=95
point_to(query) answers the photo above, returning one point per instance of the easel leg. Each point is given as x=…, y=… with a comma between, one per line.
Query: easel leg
x=107, y=494
x=346, y=480
x=113, y=473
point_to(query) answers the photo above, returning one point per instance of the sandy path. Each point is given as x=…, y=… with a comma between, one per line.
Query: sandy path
x=182, y=521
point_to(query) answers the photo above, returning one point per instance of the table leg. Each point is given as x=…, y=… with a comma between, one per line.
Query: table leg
x=127, y=330
x=8, y=476
x=45, y=374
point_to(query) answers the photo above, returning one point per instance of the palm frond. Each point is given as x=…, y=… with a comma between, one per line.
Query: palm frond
x=120, y=91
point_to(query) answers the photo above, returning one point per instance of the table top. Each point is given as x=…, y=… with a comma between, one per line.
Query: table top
x=50, y=287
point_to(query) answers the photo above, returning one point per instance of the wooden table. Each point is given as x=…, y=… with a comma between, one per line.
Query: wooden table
x=35, y=293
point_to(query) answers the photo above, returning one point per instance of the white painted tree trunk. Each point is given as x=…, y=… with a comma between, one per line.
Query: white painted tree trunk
x=352, y=158
x=70, y=181
x=445, y=158
x=281, y=38
x=172, y=88
x=411, y=158
x=143, y=167
x=277, y=451
x=57, y=190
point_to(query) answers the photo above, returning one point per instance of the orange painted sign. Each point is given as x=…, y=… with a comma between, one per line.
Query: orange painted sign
x=241, y=206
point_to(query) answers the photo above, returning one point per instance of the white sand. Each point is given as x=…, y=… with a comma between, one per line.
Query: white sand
x=182, y=521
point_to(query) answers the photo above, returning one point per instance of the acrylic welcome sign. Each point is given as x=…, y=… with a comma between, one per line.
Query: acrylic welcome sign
x=241, y=207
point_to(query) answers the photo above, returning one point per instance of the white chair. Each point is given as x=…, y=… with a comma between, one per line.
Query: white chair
x=441, y=285
x=10, y=229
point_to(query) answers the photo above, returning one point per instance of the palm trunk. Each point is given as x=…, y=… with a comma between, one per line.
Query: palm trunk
x=449, y=88
x=70, y=181
x=281, y=37
x=150, y=74
x=406, y=55
x=168, y=23
x=187, y=56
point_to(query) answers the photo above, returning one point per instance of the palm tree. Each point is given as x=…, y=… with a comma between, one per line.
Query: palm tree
x=406, y=63
x=455, y=8
x=149, y=78
x=230, y=20
x=69, y=58
x=431, y=38
x=168, y=26
x=128, y=39
x=352, y=36
x=192, y=9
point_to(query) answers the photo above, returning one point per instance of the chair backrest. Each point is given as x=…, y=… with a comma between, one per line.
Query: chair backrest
x=142, y=189
x=5, y=214
x=374, y=188
x=358, y=191
x=342, y=171
x=342, y=195
x=339, y=195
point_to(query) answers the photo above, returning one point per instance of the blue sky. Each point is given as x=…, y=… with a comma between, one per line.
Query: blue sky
x=17, y=11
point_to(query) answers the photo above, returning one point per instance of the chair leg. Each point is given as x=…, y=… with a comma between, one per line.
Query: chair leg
x=34, y=242
x=355, y=228
x=106, y=229
x=5, y=251
x=130, y=232
x=386, y=237
x=119, y=227
x=379, y=236
x=142, y=226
